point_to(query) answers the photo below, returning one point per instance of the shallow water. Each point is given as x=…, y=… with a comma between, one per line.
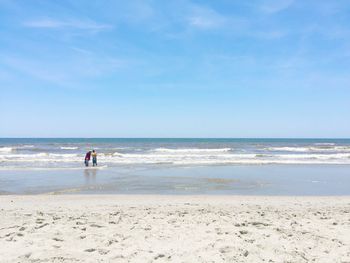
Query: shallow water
x=238, y=179
x=177, y=166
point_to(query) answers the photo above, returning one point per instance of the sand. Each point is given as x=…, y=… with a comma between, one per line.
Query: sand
x=121, y=228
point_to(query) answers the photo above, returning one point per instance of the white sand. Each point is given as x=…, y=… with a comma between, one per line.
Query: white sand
x=104, y=228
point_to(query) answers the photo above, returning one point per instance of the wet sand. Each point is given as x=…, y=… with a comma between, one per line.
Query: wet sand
x=288, y=180
x=165, y=228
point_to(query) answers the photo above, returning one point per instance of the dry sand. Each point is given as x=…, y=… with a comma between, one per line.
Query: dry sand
x=119, y=228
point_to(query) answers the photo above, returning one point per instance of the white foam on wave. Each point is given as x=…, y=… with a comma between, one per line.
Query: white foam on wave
x=335, y=149
x=25, y=146
x=179, y=158
x=190, y=150
x=39, y=157
x=12, y=148
x=323, y=148
x=6, y=149
x=314, y=156
x=63, y=155
x=288, y=149
x=68, y=148
x=53, y=168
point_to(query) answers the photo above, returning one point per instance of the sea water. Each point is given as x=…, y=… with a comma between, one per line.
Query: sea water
x=176, y=166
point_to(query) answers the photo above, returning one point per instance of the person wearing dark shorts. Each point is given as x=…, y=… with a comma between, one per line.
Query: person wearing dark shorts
x=87, y=158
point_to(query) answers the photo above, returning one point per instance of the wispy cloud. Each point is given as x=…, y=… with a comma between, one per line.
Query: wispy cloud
x=35, y=69
x=273, y=6
x=206, y=18
x=73, y=24
x=68, y=72
x=137, y=11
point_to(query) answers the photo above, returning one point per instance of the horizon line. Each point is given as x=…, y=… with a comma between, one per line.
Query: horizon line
x=319, y=138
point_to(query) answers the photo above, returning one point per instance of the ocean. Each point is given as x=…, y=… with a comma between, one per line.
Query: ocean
x=176, y=166
x=69, y=153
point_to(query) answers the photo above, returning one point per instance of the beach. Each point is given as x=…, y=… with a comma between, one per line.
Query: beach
x=175, y=131
x=175, y=200
x=174, y=228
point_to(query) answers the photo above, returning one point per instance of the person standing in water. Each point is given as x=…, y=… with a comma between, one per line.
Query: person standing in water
x=87, y=158
x=94, y=158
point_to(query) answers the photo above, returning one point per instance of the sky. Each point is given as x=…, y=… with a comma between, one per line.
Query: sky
x=177, y=68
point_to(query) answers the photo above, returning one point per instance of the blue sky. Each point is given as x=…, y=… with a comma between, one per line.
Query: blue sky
x=175, y=68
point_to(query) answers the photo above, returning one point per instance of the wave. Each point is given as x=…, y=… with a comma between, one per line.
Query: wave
x=190, y=150
x=45, y=156
x=68, y=148
x=323, y=148
x=6, y=149
x=288, y=149
x=315, y=156
x=41, y=159
x=63, y=155
x=26, y=146
x=36, y=156
x=54, y=168
x=13, y=148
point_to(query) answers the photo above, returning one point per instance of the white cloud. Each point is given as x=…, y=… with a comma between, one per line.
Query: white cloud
x=74, y=24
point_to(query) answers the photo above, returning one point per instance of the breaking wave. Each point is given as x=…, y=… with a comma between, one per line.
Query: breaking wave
x=179, y=158
x=191, y=150
x=6, y=149
x=68, y=148
x=320, y=148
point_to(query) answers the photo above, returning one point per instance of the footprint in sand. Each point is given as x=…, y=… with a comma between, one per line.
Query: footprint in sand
x=103, y=251
x=95, y=225
x=39, y=220
x=159, y=256
x=226, y=249
x=41, y=226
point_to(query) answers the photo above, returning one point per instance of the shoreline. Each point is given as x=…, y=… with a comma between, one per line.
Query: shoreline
x=154, y=197
x=216, y=180
x=174, y=228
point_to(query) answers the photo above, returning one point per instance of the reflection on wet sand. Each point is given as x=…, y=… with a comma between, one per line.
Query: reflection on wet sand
x=242, y=180
x=90, y=176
